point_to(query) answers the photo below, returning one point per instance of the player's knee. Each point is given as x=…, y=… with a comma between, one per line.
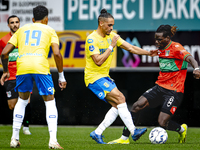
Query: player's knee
x=121, y=98
x=11, y=106
x=133, y=108
x=162, y=122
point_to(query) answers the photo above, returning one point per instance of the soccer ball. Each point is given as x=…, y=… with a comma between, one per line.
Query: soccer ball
x=158, y=135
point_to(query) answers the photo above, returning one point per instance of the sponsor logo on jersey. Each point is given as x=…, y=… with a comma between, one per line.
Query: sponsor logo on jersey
x=170, y=101
x=162, y=65
x=173, y=109
x=50, y=89
x=91, y=48
x=18, y=116
x=90, y=40
x=109, y=40
x=15, y=54
x=100, y=94
x=52, y=116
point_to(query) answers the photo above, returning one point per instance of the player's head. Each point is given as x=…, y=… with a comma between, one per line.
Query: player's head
x=13, y=23
x=163, y=35
x=105, y=22
x=40, y=13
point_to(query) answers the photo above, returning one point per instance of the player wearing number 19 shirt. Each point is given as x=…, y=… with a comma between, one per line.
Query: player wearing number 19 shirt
x=34, y=61
x=169, y=88
x=33, y=42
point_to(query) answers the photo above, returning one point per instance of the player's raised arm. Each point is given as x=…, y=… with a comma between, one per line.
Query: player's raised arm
x=100, y=59
x=136, y=50
x=59, y=64
x=194, y=64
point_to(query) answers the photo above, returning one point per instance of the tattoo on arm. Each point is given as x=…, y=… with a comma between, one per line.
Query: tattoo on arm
x=5, y=64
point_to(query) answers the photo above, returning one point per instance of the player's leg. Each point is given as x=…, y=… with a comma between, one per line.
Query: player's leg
x=117, y=97
x=148, y=98
x=100, y=88
x=18, y=116
x=165, y=122
x=12, y=103
x=12, y=95
x=45, y=87
x=139, y=105
x=172, y=101
x=27, y=119
x=24, y=92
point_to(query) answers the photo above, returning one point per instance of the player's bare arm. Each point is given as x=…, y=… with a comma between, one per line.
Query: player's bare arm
x=194, y=64
x=4, y=58
x=100, y=59
x=59, y=64
x=134, y=49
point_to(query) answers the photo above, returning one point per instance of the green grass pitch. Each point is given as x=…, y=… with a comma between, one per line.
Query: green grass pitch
x=77, y=138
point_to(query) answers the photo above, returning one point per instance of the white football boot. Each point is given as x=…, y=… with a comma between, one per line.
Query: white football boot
x=14, y=143
x=54, y=145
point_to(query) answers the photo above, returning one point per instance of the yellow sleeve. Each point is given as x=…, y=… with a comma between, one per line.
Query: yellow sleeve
x=120, y=41
x=13, y=39
x=92, y=46
x=54, y=38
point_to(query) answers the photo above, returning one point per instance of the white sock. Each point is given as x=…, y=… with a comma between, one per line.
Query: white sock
x=18, y=116
x=181, y=130
x=125, y=115
x=108, y=120
x=25, y=128
x=124, y=137
x=52, y=117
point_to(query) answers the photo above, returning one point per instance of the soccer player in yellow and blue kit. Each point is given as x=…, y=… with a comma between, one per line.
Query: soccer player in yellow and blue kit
x=34, y=41
x=99, y=53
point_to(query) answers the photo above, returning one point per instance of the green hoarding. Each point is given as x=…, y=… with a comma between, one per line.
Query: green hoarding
x=133, y=15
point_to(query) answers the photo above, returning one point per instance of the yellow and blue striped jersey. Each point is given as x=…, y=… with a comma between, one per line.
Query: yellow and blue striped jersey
x=33, y=42
x=96, y=44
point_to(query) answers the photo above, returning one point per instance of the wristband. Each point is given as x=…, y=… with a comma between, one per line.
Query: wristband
x=110, y=47
x=61, y=77
x=196, y=68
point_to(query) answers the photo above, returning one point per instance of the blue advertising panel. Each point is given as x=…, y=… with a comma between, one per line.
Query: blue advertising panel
x=133, y=15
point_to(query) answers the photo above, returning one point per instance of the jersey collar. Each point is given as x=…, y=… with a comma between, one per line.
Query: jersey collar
x=167, y=45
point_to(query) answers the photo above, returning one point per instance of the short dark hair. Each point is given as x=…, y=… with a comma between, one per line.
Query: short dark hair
x=104, y=14
x=167, y=30
x=12, y=16
x=39, y=12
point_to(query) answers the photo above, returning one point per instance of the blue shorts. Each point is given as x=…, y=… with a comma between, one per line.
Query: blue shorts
x=44, y=83
x=101, y=87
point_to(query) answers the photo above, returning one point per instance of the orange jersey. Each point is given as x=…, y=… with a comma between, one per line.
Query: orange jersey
x=173, y=67
x=12, y=67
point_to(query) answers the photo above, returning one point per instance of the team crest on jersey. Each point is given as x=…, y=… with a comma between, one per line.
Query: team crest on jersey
x=91, y=48
x=167, y=53
x=109, y=41
x=9, y=94
x=90, y=40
